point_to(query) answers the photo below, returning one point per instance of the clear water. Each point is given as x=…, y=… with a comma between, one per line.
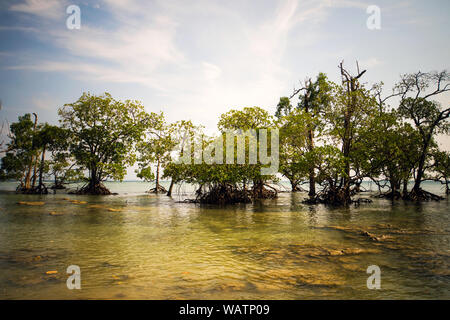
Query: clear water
x=151, y=247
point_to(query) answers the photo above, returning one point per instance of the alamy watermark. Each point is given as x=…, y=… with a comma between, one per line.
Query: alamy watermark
x=374, y=281
x=74, y=280
x=73, y=21
x=374, y=20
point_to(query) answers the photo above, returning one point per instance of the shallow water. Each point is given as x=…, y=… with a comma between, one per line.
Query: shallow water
x=139, y=246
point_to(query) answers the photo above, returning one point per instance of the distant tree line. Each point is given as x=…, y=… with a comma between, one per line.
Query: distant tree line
x=332, y=138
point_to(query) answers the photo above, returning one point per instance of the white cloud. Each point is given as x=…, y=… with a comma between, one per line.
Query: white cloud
x=203, y=69
x=370, y=63
x=211, y=71
x=136, y=49
x=51, y=9
x=44, y=102
x=197, y=59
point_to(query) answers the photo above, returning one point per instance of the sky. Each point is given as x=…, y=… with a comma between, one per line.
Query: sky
x=198, y=59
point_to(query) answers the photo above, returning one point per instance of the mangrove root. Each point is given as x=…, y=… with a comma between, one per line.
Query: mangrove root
x=97, y=189
x=223, y=194
x=392, y=195
x=422, y=195
x=264, y=191
x=334, y=197
x=40, y=189
x=160, y=189
x=57, y=187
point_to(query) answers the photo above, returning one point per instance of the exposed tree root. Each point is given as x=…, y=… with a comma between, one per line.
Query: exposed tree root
x=57, y=187
x=331, y=197
x=41, y=189
x=334, y=197
x=264, y=191
x=390, y=195
x=422, y=195
x=231, y=194
x=223, y=194
x=160, y=189
x=97, y=189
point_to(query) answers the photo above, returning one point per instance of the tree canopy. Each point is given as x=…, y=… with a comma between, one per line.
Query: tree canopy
x=103, y=133
x=328, y=136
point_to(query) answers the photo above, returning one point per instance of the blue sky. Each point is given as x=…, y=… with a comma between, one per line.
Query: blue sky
x=197, y=59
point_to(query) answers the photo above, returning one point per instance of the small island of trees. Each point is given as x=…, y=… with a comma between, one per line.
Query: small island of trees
x=332, y=137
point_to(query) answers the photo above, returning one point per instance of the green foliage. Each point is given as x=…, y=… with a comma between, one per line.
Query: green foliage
x=334, y=136
x=294, y=145
x=156, y=146
x=442, y=168
x=63, y=168
x=20, y=149
x=248, y=118
x=103, y=133
x=330, y=164
x=236, y=176
x=388, y=149
x=284, y=107
x=426, y=116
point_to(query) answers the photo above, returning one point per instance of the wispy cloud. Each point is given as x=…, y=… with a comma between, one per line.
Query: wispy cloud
x=147, y=50
x=370, y=63
x=196, y=54
x=160, y=45
x=18, y=28
x=195, y=59
x=48, y=9
x=44, y=102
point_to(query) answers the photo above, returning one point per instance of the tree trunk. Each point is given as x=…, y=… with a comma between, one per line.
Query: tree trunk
x=352, y=87
x=346, y=142
x=358, y=186
x=41, y=168
x=92, y=179
x=34, y=171
x=312, y=178
x=28, y=175
x=30, y=165
x=157, y=178
x=395, y=189
x=405, y=188
x=169, y=193
x=94, y=186
x=423, y=156
x=420, y=171
x=346, y=186
x=41, y=187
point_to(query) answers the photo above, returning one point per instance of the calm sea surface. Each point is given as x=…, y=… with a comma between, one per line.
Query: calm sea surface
x=139, y=246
